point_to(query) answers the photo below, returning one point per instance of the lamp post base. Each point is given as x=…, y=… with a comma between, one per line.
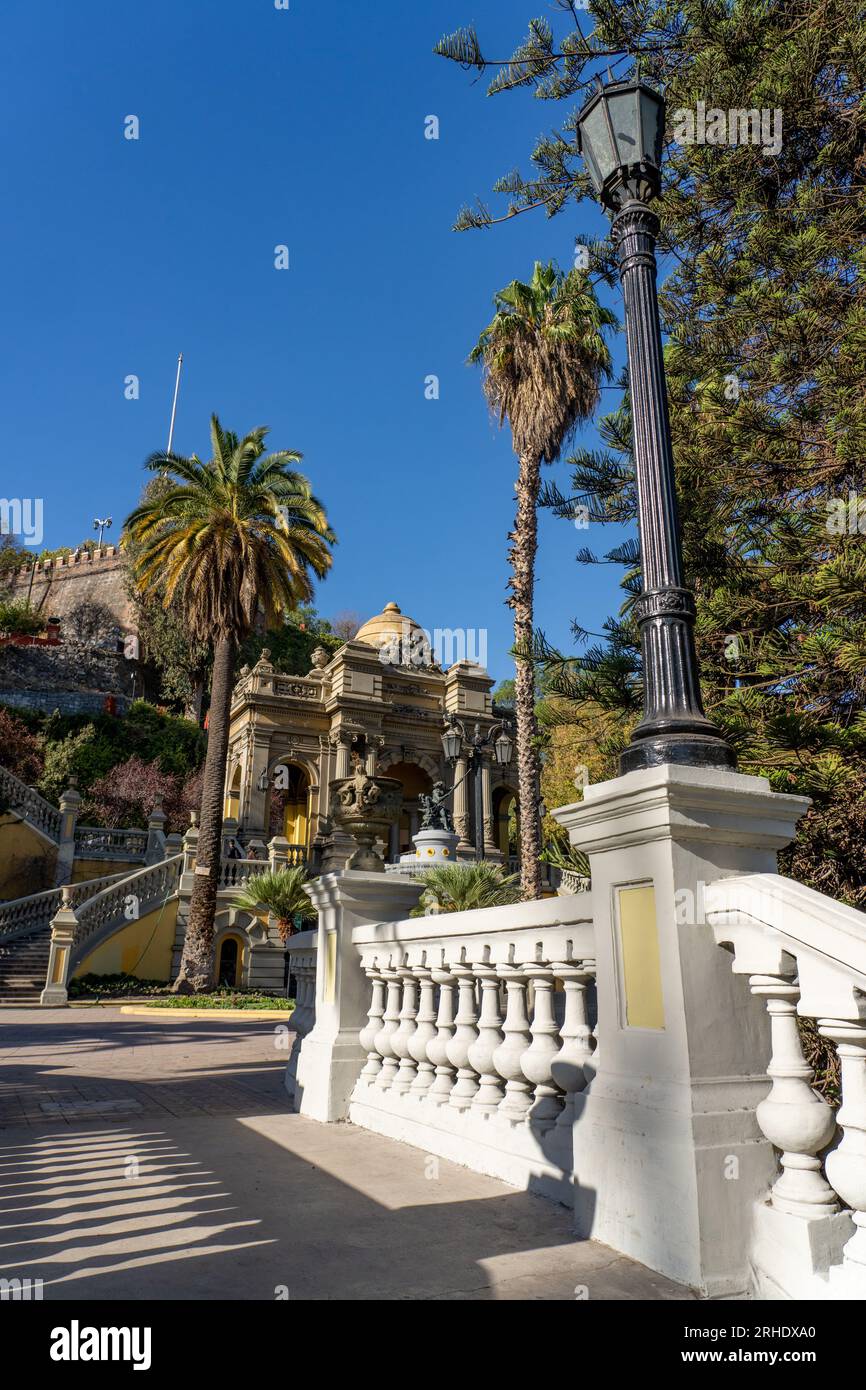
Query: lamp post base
x=685, y=750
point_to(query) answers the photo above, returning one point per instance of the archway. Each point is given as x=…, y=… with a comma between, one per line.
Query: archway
x=232, y=803
x=229, y=962
x=504, y=817
x=415, y=780
x=290, y=803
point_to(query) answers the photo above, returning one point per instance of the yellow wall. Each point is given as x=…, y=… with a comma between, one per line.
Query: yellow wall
x=121, y=952
x=26, y=861
x=85, y=869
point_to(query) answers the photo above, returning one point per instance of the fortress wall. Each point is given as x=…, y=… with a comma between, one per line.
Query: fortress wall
x=60, y=586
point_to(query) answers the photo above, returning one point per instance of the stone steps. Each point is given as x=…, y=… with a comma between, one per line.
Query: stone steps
x=23, y=968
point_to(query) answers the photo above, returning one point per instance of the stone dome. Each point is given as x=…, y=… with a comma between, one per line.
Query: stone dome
x=391, y=622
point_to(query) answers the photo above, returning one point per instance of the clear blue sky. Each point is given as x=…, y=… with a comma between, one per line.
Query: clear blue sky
x=257, y=127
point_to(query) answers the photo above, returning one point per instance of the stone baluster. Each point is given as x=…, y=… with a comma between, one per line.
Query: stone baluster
x=465, y=1034
x=515, y=1041
x=367, y=1035
x=537, y=1061
x=490, y=1094
x=792, y=1116
x=437, y=1048
x=846, y=1164
x=569, y=1066
x=401, y=1040
x=390, y=1024
x=425, y=1032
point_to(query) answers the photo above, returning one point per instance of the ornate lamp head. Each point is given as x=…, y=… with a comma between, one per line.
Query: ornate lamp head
x=620, y=135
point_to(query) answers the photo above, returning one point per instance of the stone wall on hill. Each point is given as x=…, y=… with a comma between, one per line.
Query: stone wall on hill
x=63, y=586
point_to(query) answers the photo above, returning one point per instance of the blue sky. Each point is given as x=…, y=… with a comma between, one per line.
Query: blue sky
x=261, y=127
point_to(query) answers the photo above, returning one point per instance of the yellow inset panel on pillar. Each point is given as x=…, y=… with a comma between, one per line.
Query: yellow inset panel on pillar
x=639, y=952
x=330, y=967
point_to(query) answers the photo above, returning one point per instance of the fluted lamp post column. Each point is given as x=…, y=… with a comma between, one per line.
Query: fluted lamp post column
x=620, y=136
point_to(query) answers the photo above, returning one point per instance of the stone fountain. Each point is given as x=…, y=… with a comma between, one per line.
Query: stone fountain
x=365, y=807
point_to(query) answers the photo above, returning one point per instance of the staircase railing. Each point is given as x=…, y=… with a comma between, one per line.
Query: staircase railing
x=21, y=916
x=805, y=955
x=123, y=902
x=27, y=802
x=109, y=844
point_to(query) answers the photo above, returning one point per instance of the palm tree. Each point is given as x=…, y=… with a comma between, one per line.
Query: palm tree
x=462, y=887
x=235, y=537
x=543, y=356
x=279, y=894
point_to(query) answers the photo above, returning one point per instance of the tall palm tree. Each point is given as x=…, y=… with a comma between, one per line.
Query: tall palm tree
x=543, y=356
x=235, y=537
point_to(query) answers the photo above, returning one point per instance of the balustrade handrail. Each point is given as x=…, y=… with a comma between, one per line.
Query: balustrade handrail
x=107, y=907
x=804, y=954
x=119, y=834
x=800, y=917
x=302, y=941
x=37, y=909
x=516, y=921
x=21, y=797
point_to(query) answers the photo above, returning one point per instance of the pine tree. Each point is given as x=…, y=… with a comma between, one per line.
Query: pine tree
x=764, y=312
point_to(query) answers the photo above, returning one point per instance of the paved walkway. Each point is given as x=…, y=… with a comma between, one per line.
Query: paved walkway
x=157, y=1160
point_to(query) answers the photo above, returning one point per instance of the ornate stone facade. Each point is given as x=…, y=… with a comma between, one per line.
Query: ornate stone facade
x=292, y=735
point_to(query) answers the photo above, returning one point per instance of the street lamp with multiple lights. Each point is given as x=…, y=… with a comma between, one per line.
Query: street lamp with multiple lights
x=101, y=524
x=456, y=744
x=620, y=133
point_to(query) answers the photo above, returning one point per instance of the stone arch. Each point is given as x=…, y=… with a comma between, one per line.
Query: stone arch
x=504, y=802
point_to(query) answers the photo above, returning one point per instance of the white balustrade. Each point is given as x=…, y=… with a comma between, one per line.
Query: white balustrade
x=465, y=1034
x=537, y=1061
x=390, y=1023
x=480, y=1053
x=443, y=1061
x=805, y=954
x=367, y=1035
x=425, y=1031
x=407, y=1069
x=437, y=1047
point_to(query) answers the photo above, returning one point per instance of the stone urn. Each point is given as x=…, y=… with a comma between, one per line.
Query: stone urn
x=365, y=808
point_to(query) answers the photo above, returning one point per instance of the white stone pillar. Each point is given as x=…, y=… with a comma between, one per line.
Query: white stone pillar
x=64, y=925
x=846, y=1163
x=671, y=1109
x=515, y=1041
x=425, y=1032
x=465, y=1034
x=332, y=1055
x=437, y=1048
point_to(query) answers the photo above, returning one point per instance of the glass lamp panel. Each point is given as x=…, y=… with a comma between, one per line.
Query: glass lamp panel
x=595, y=144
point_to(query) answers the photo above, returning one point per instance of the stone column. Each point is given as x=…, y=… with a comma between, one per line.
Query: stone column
x=254, y=801
x=63, y=927
x=670, y=1112
x=344, y=749
x=461, y=807
x=332, y=1055
x=155, y=850
x=491, y=848
x=70, y=804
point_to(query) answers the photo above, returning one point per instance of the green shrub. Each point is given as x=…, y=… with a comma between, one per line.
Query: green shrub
x=17, y=616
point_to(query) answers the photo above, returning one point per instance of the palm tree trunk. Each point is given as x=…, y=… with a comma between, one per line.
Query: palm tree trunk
x=524, y=540
x=196, y=966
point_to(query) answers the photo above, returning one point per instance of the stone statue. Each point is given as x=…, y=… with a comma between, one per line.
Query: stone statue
x=434, y=813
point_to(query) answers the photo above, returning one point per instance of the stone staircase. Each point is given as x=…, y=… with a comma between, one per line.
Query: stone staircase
x=23, y=968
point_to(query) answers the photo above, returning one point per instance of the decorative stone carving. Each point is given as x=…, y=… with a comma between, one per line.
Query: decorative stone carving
x=366, y=808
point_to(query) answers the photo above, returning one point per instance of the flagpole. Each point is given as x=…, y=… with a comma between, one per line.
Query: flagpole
x=174, y=402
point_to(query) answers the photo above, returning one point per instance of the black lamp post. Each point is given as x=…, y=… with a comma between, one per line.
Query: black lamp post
x=456, y=743
x=621, y=129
